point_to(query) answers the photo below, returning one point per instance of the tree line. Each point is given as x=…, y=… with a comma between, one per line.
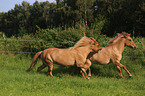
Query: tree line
x=116, y=16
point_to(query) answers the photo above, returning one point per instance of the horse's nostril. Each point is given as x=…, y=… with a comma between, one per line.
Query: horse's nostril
x=134, y=48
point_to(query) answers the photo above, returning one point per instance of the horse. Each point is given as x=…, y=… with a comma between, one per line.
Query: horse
x=112, y=52
x=71, y=56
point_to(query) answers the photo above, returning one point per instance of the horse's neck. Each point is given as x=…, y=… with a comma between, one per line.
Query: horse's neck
x=85, y=50
x=120, y=45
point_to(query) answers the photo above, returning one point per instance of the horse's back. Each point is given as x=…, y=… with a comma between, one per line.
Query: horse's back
x=60, y=56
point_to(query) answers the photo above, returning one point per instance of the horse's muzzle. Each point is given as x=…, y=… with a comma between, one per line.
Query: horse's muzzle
x=134, y=48
x=99, y=49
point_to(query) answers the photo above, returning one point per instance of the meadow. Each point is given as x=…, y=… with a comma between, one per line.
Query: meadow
x=105, y=80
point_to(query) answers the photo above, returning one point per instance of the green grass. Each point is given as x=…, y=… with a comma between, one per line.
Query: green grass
x=105, y=80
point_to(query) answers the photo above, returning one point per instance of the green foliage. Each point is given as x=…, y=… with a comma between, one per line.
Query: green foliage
x=15, y=81
x=122, y=15
x=22, y=31
x=112, y=15
x=47, y=38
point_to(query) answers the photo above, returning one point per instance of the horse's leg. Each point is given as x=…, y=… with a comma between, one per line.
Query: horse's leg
x=120, y=65
x=89, y=74
x=84, y=67
x=82, y=73
x=50, y=67
x=84, y=70
x=34, y=61
x=87, y=66
x=75, y=68
x=41, y=67
x=126, y=70
x=120, y=71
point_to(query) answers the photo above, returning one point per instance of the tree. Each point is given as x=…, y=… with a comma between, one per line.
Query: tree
x=139, y=26
x=121, y=15
x=73, y=12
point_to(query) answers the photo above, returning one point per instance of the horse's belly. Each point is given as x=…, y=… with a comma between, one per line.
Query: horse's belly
x=103, y=61
x=100, y=60
x=63, y=57
x=64, y=61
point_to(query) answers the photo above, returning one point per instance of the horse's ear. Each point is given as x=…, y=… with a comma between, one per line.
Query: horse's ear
x=119, y=35
x=94, y=41
x=126, y=34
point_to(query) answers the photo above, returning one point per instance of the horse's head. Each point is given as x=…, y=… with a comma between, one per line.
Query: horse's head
x=85, y=41
x=128, y=40
x=95, y=45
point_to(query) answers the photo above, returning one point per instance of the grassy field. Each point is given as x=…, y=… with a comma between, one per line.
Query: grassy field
x=105, y=80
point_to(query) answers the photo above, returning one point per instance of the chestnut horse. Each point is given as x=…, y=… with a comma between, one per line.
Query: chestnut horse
x=113, y=52
x=75, y=55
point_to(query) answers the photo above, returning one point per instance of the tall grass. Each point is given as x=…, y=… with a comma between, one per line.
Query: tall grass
x=105, y=80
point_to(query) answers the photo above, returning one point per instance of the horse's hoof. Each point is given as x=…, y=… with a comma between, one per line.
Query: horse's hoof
x=72, y=74
x=89, y=75
x=27, y=70
x=121, y=76
x=130, y=76
x=88, y=78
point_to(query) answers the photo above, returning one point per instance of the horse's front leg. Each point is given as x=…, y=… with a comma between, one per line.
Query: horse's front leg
x=87, y=65
x=89, y=74
x=120, y=65
x=84, y=70
x=120, y=72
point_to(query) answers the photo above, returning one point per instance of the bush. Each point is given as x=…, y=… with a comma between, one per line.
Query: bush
x=47, y=38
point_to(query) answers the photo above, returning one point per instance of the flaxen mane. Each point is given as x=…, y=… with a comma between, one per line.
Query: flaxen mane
x=114, y=40
x=82, y=42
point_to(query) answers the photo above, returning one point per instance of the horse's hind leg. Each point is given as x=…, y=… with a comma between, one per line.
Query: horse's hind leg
x=75, y=68
x=34, y=61
x=41, y=67
x=50, y=67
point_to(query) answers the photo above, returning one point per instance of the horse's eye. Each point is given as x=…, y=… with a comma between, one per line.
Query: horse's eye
x=129, y=40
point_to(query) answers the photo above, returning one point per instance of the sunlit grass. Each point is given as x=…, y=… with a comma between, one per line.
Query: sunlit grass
x=105, y=80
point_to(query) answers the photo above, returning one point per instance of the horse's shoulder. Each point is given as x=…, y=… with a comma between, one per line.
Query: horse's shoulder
x=106, y=50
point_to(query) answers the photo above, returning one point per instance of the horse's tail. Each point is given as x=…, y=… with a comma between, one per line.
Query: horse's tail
x=34, y=61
